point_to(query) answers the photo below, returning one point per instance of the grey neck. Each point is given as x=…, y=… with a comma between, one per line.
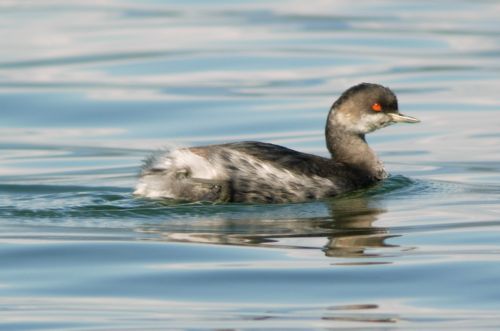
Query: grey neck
x=351, y=149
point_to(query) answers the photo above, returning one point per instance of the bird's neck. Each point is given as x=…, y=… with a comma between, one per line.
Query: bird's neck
x=352, y=150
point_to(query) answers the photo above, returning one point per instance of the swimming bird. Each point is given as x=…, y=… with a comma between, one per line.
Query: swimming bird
x=257, y=172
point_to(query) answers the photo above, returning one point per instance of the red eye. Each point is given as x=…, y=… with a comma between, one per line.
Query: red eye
x=376, y=107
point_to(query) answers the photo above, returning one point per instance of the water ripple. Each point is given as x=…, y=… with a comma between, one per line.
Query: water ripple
x=88, y=89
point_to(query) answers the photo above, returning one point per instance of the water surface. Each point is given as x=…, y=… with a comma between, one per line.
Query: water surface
x=90, y=88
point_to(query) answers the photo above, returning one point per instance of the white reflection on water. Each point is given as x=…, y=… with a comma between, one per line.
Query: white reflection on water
x=123, y=313
x=151, y=314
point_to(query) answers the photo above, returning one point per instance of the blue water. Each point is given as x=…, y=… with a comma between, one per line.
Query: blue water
x=89, y=88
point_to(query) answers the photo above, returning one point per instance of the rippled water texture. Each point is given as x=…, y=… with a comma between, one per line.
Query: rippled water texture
x=89, y=88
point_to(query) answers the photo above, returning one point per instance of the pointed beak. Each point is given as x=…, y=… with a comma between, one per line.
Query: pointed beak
x=400, y=118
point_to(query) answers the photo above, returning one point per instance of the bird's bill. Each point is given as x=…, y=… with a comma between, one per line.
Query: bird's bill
x=400, y=118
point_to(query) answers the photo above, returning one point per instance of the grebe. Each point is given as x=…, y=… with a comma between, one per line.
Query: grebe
x=256, y=172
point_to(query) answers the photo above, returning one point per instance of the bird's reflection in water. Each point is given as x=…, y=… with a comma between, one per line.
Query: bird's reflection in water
x=352, y=229
x=346, y=225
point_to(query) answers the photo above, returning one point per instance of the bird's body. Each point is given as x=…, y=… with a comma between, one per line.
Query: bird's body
x=258, y=172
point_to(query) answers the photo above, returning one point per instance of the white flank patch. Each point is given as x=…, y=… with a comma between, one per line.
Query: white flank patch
x=158, y=185
x=148, y=187
x=198, y=166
